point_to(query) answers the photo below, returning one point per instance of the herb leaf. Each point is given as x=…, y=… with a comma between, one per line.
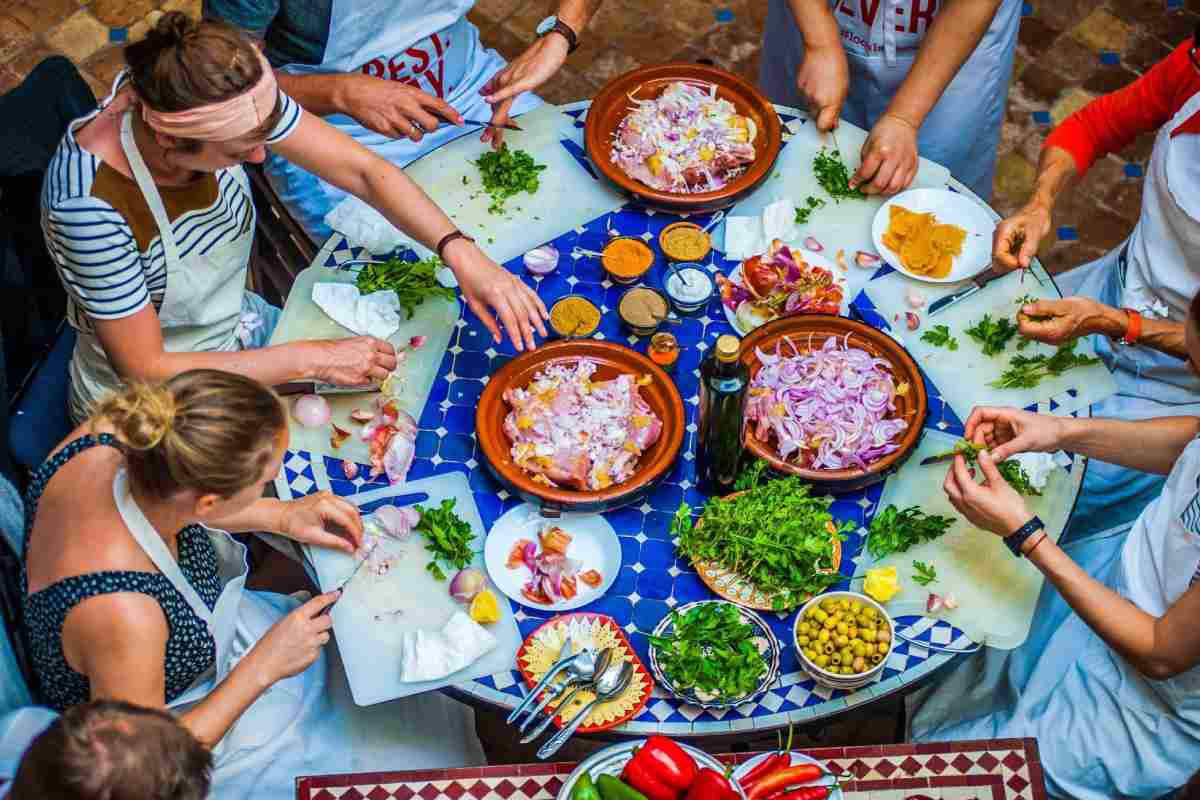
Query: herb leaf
x=834, y=176
x=1026, y=372
x=812, y=204
x=939, y=336
x=412, y=281
x=447, y=536
x=751, y=476
x=1011, y=470
x=895, y=531
x=994, y=335
x=507, y=173
x=711, y=649
x=926, y=574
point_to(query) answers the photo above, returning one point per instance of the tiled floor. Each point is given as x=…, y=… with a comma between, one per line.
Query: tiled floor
x=1070, y=51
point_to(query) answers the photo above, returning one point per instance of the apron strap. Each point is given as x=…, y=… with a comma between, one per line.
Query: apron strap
x=145, y=182
x=150, y=541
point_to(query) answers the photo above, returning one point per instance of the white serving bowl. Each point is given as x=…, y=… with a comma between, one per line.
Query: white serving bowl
x=830, y=679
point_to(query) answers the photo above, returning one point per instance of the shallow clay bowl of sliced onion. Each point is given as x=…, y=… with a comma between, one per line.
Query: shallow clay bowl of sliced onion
x=611, y=360
x=612, y=104
x=809, y=331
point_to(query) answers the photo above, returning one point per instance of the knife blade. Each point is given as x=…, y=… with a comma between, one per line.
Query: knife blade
x=978, y=282
x=508, y=126
x=939, y=458
x=342, y=586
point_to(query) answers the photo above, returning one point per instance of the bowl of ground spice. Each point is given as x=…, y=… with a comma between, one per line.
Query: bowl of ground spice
x=643, y=309
x=626, y=258
x=574, y=316
x=684, y=241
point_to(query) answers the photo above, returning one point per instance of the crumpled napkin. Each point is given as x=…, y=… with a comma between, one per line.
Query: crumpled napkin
x=1039, y=466
x=751, y=236
x=376, y=314
x=363, y=225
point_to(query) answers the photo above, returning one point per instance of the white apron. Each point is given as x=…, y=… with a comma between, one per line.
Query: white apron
x=881, y=39
x=201, y=306
x=1156, y=268
x=1103, y=730
x=428, y=44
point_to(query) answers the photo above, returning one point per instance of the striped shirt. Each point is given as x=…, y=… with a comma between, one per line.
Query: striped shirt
x=112, y=261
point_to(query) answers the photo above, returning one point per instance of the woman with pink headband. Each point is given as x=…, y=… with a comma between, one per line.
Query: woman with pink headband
x=148, y=216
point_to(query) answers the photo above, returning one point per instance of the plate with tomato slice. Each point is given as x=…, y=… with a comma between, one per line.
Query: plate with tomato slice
x=552, y=565
x=782, y=282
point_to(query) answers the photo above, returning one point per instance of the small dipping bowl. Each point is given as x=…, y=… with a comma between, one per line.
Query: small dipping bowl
x=684, y=241
x=626, y=259
x=573, y=316
x=689, y=287
x=643, y=309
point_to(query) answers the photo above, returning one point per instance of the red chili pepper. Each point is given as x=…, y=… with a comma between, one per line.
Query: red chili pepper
x=711, y=785
x=639, y=774
x=666, y=762
x=768, y=765
x=776, y=781
x=807, y=793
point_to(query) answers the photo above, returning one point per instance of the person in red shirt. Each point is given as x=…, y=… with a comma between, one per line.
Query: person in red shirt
x=1135, y=298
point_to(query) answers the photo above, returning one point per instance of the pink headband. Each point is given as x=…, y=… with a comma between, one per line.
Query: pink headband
x=223, y=121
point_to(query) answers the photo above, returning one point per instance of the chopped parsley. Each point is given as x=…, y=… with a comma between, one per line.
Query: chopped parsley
x=507, y=173
x=834, y=176
x=994, y=335
x=939, y=336
x=447, y=537
x=811, y=205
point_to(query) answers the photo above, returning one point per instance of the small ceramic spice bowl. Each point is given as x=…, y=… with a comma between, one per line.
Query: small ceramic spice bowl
x=573, y=316
x=684, y=241
x=643, y=310
x=689, y=287
x=626, y=259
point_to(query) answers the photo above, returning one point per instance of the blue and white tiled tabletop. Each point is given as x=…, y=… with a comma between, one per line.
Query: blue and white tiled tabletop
x=652, y=579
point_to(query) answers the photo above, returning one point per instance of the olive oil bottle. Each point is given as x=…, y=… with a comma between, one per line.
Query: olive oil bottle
x=723, y=383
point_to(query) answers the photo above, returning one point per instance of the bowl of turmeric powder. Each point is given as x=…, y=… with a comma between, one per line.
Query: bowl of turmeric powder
x=626, y=259
x=573, y=316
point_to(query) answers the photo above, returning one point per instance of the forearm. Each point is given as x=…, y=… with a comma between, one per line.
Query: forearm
x=268, y=365
x=1164, y=335
x=265, y=514
x=1152, y=445
x=577, y=13
x=818, y=28
x=950, y=41
x=318, y=94
x=1056, y=173
x=212, y=717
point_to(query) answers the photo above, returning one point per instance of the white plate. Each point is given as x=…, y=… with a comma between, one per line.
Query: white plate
x=797, y=760
x=816, y=259
x=952, y=208
x=593, y=542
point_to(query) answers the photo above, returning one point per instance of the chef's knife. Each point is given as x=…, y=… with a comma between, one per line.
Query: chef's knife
x=978, y=282
x=939, y=458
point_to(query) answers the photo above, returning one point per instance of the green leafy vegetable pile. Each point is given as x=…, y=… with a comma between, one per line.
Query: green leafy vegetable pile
x=1026, y=372
x=711, y=650
x=834, y=176
x=925, y=573
x=994, y=335
x=939, y=336
x=412, y=281
x=775, y=535
x=895, y=531
x=811, y=205
x=507, y=173
x=447, y=536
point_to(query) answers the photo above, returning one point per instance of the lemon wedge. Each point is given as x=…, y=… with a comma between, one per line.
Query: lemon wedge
x=882, y=584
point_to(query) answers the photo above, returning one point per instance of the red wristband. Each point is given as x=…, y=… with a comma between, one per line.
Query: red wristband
x=1133, y=329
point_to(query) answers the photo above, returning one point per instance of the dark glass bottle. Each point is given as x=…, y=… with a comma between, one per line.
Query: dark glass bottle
x=723, y=383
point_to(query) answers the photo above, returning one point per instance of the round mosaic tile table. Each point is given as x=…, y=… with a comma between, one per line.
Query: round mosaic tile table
x=653, y=579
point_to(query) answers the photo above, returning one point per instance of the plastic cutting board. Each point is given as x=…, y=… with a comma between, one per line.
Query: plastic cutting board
x=371, y=648
x=996, y=592
x=302, y=319
x=962, y=376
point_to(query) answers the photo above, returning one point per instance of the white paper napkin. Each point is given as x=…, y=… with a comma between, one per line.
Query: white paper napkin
x=1040, y=465
x=376, y=314
x=363, y=225
x=751, y=236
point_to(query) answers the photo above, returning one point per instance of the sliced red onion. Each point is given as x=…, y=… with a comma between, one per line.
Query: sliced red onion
x=311, y=410
x=397, y=523
x=812, y=244
x=416, y=341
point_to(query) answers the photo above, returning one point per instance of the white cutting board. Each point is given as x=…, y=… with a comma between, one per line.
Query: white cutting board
x=370, y=649
x=567, y=195
x=845, y=225
x=995, y=591
x=302, y=319
x=963, y=376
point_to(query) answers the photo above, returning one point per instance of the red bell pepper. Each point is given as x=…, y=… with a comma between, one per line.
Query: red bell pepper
x=783, y=779
x=660, y=769
x=712, y=785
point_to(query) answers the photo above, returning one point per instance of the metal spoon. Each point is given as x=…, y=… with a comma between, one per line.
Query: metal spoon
x=717, y=217
x=611, y=684
x=564, y=658
x=582, y=669
x=580, y=251
x=573, y=685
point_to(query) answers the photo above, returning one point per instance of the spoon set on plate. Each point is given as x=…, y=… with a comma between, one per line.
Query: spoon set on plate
x=596, y=671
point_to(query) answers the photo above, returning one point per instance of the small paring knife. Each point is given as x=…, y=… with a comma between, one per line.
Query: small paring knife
x=978, y=282
x=938, y=459
x=508, y=126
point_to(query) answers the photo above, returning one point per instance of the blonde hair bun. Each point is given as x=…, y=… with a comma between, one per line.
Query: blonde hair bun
x=142, y=415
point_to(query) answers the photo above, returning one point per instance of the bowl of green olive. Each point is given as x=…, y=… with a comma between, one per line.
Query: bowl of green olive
x=843, y=639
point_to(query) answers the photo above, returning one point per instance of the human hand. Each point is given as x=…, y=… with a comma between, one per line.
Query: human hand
x=823, y=81
x=356, y=361
x=1017, y=238
x=992, y=505
x=293, y=643
x=396, y=109
x=889, y=157
x=1008, y=431
x=492, y=291
x=1059, y=321
x=540, y=61
x=323, y=520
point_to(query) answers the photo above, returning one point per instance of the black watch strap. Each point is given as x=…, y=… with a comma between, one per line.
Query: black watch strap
x=567, y=33
x=1018, y=537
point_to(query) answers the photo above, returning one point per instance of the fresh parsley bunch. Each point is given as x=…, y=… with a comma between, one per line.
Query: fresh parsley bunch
x=412, y=281
x=447, y=537
x=711, y=649
x=1026, y=372
x=894, y=530
x=939, y=336
x=994, y=335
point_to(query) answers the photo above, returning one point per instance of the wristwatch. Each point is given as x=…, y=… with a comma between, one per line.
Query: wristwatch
x=1018, y=537
x=553, y=24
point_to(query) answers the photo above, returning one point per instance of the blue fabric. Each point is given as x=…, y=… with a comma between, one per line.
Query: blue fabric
x=268, y=315
x=14, y=693
x=41, y=419
x=191, y=650
x=294, y=31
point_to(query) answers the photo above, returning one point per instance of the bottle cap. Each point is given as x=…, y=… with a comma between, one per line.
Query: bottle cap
x=727, y=347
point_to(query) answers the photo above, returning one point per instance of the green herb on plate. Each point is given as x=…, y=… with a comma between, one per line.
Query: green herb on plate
x=994, y=335
x=507, y=173
x=811, y=205
x=1026, y=372
x=775, y=536
x=894, y=530
x=834, y=176
x=447, y=537
x=413, y=281
x=711, y=650
x=939, y=336
x=925, y=573
x=751, y=476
